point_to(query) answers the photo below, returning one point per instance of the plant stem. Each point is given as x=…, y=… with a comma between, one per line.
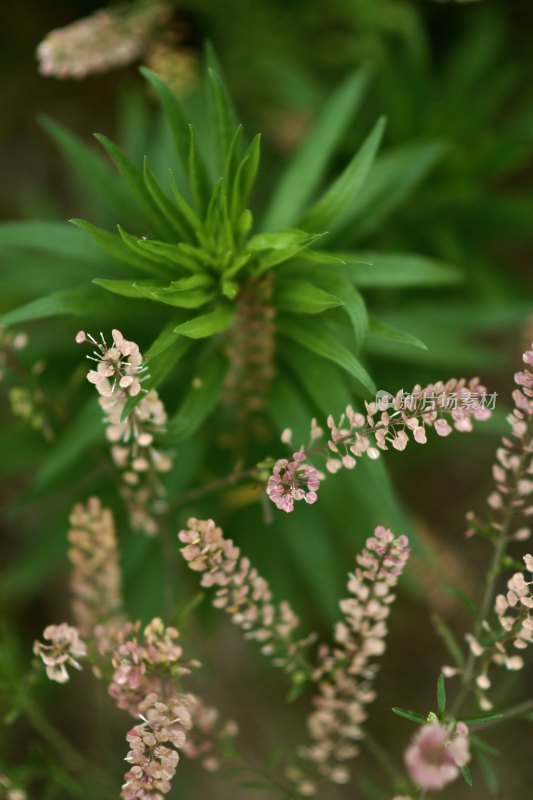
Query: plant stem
x=214, y=486
x=514, y=711
x=381, y=756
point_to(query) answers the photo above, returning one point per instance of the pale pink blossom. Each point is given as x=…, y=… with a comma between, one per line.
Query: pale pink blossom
x=435, y=756
x=293, y=480
x=65, y=649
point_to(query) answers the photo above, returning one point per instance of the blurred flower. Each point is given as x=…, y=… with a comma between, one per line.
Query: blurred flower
x=95, y=576
x=8, y=791
x=109, y=38
x=65, y=648
x=434, y=757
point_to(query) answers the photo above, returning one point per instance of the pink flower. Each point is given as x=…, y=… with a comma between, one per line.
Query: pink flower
x=65, y=648
x=433, y=758
x=293, y=480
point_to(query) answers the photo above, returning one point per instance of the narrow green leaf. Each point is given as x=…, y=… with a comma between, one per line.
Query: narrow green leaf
x=323, y=344
x=482, y=718
x=222, y=113
x=302, y=297
x=308, y=166
x=465, y=772
x=82, y=302
x=489, y=773
x=164, y=204
x=166, y=338
x=198, y=177
x=99, y=180
x=112, y=244
x=441, y=696
x=192, y=219
x=449, y=640
x=388, y=333
x=57, y=238
x=410, y=715
x=463, y=598
x=135, y=289
x=321, y=380
x=181, y=254
x=201, y=400
x=347, y=184
x=134, y=179
x=174, y=114
x=233, y=158
x=398, y=270
x=245, y=178
x=207, y=324
x=276, y=248
x=195, y=298
x=134, y=244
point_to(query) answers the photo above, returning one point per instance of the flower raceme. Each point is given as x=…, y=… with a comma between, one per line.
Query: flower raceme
x=117, y=378
x=242, y=592
x=441, y=406
x=346, y=671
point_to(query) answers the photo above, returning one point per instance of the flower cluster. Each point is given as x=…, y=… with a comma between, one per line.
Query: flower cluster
x=140, y=662
x=154, y=745
x=388, y=422
x=208, y=735
x=117, y=378
x=95, y=576
x=435, y=755
x=441, y=406
x=293, y=480
x=107, y=39
x=345, y=672
x=242, y=592
x=27, y=401
x=65, y=648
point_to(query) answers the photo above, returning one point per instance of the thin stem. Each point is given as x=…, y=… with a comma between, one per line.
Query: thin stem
x=209, y=488
x=382, y=757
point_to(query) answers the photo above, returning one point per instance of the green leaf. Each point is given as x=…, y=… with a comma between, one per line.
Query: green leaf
x=134, y=179
x=489, y=774
x=392, y=180
x=171, y=296
x=166, y=338
x=223, y=114
x=100, y=182
x=399, y=270
x=135, y=289
x=323, y=344
x=482, y=718
x=441, y=696
x=198, y=177
x=308, y=166
x=245, y=178
x=72, y=302
x=410, y=715
x=207, y=324
x=465, y=772
x=463, y=598
x=174, y=115
x=347, y=185
x=182, y=254
x=388, y=333
x=164, y=204
x=322, y=381
x=302, y=297
x=200, y=401
x=449, y=640
x=116, y=247
x=46, y=236
x=275, y=248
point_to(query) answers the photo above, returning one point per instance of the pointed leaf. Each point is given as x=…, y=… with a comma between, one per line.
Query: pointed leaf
x=276, y=248
x=347, y=184
x=399, y=269
x=449, y=640
x=164, y=204
x=82, y=302
x=441, y=696
x=174, y=114
x=323, y=344
x=245, y=178
x=465, y=772
x=388, y=333
x=198, y=177
x=223, y=114
x=112, y=244
x=159, y=366
x=207, y=324
x=135, y=289
x=307, y=167
x=410, y=715
x=302, y=297
x=47, y=236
